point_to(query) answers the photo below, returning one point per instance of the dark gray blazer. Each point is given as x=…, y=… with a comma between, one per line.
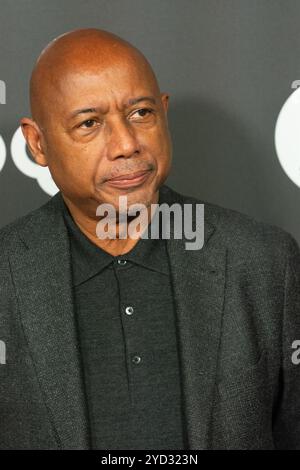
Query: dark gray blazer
x=238, y=312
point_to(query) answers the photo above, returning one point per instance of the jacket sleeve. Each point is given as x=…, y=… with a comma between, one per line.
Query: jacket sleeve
x=286, y=419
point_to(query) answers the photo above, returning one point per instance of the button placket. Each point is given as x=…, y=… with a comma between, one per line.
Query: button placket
x=128, y=310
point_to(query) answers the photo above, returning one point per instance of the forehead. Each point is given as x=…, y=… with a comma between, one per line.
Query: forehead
x=113, y=82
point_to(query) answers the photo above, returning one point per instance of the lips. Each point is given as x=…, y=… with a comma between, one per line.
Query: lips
x=130, y=180
x=129, y=176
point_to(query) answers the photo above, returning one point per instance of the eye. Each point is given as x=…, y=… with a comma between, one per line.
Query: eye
x=143, y=112
x=88, y=124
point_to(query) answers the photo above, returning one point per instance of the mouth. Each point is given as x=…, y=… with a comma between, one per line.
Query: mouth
x=129, y=180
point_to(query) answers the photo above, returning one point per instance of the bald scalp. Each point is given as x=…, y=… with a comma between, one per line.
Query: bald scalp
x=78, y=51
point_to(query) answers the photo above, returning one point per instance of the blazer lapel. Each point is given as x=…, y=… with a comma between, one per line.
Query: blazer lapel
x=42, y=275
x=198, y=279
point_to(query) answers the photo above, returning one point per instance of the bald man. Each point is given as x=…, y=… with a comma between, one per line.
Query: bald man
x=129, y=342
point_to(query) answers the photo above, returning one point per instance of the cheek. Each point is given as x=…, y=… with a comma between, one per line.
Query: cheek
x=157, y=141
x=70, y=166
x=162, y=147
x=164, y=155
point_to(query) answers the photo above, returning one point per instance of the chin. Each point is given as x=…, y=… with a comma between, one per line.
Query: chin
x=143, y=196
x=140, y=196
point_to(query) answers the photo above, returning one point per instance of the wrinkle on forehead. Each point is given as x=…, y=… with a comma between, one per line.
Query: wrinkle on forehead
x=80, y=51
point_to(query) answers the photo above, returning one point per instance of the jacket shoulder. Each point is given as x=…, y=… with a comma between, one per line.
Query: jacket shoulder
x=243, y=233
x=9, y=231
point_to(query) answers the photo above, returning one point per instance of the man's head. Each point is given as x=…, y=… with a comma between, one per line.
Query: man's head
x=98, y=113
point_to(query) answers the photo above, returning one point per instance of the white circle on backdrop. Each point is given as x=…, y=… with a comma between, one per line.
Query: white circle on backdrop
x=2, y=153
x=287, y=137
x=30, y=168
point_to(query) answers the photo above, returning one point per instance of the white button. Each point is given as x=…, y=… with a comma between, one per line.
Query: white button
x=129, y=310
x=136, y=359
x=122, y=262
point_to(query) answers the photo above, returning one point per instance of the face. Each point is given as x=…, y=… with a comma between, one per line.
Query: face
x=104, y=123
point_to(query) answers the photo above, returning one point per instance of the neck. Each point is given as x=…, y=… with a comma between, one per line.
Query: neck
x=115, y=246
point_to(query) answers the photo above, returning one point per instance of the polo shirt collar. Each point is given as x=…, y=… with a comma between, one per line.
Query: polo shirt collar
x=88, y=259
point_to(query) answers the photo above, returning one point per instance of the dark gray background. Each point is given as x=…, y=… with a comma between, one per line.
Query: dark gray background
x=228, y=66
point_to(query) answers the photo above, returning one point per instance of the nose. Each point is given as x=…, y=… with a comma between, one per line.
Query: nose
x=121, y=140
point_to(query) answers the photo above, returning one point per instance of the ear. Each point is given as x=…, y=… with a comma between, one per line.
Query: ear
x=165, y=101
x=35, y=141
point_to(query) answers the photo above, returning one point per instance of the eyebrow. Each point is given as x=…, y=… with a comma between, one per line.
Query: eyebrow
x=130, y=102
